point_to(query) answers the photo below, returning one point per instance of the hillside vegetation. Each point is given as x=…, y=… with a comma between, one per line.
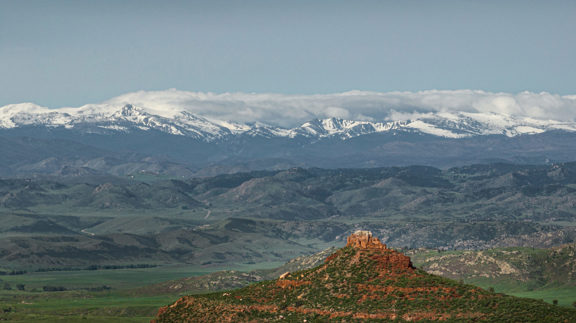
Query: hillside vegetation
x=78, y=221
x=364, y=280
x=134, y=294
x=548, y=274
x=535, y=267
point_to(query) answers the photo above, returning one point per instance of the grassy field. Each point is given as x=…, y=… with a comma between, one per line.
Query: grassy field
x=116, y=278
x=566, y=296
x=76, y=306
x=81, y=303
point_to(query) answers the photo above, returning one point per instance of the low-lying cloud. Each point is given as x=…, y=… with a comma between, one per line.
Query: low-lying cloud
x=291, y=110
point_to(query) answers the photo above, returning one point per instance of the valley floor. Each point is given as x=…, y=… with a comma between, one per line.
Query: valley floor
x=87, y=295
x=132, y=294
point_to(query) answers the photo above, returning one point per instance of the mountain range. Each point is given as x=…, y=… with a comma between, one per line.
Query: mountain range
x=128, y=139
x=106, y=118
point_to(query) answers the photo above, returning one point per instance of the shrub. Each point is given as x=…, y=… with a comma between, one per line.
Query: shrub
x=53, y=288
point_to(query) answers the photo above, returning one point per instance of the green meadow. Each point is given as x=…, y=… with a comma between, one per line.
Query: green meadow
x=566, y=296
x=108, y=295
x=90, y=295
x=94, y=295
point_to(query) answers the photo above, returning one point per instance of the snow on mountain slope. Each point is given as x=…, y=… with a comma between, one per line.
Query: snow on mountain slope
x=119, y=118
x=461, y=125
x=123, y=118
x=342, y=128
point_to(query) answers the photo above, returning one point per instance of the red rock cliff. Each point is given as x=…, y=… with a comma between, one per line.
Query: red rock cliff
x=364, y=240
x=387, y=259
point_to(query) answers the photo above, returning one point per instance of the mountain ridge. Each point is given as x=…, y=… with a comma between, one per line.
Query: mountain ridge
x=115, y=138
x=124, y=118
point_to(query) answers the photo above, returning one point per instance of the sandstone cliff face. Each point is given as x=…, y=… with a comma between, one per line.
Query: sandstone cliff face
x=364, y=240
x=387, y=260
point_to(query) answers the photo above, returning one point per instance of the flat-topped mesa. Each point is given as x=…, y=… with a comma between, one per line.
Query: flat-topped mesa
x=364, y=240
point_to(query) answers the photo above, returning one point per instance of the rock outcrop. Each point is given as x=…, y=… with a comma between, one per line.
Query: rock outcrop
x=388, y=260
x=364, y=240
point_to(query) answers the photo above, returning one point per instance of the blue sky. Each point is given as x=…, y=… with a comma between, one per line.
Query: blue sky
x=69, y=53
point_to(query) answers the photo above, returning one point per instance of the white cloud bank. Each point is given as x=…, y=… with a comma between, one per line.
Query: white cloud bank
x=291, y=110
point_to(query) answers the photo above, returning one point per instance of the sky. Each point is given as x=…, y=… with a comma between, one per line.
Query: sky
x=69, y=53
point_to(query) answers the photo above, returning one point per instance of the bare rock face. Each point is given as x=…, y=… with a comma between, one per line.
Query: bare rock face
x=388, y=259
x=364, y=240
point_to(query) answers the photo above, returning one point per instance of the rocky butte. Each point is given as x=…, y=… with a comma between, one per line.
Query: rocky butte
x=364, y=281
x=364, y=240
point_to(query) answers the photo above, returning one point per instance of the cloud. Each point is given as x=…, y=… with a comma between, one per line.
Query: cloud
x=291, y=110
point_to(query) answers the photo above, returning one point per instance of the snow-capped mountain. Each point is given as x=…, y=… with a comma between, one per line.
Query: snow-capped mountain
x=122, y=119
x=126, y=118
x=462, y=125
x=124, y=139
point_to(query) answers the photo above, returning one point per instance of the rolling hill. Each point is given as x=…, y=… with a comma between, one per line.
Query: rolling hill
x=254, y=217
x=364, y=280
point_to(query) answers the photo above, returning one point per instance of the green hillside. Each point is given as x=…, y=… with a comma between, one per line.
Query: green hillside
x=364, y=280
x=52, y=222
